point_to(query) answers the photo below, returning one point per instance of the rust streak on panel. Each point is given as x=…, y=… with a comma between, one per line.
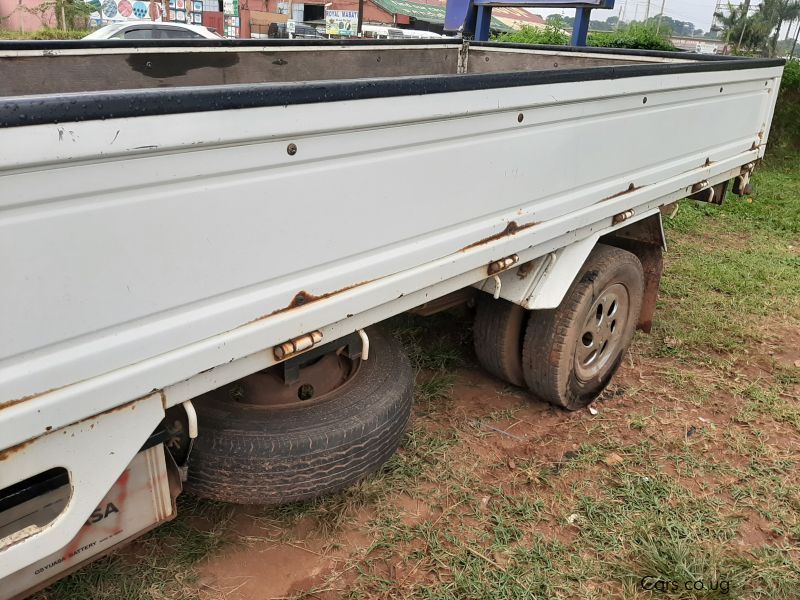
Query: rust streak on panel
x=628, y=190
x=303, y=298
x=13, y=450
x=511, y=229
x=131, y=405
x=10, y=403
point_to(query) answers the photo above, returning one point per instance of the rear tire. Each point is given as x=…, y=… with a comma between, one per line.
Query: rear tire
x=250, y=454
x=571, y=353
x=497, y=334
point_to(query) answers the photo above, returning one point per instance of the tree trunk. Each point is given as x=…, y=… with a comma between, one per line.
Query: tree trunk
x=774, y=45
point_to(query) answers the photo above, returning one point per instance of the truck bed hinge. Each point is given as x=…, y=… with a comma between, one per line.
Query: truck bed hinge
x=463, y=57
x=298, y=344
x=502, y=264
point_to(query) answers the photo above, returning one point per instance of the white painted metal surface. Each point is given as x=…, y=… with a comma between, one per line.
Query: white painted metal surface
x=132, y=238
x=167, y=252
x=139, y=499
x=94, y=451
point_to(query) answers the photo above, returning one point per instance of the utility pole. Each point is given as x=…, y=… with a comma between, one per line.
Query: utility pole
x=621, y=14
x=660, y=14
x=647, y=11
x=360, y=17
x=796, y=35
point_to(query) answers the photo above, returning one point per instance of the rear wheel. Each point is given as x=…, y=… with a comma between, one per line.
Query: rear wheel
x=497, y=334
x=265, y=442
x=570, y=353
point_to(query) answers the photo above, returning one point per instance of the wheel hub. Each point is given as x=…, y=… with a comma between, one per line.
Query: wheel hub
x=601, y=335
x=316, y=380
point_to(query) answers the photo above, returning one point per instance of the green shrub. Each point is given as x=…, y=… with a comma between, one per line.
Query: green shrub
x=791, y=76
x=549, y=35
x=57, y=34
x=785, y=131
x=44, y=34
x=631, y=36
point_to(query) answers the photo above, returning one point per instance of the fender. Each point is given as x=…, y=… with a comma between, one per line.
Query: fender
x=542, y=283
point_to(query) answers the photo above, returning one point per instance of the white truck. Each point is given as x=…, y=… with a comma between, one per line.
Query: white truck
x=196, y=238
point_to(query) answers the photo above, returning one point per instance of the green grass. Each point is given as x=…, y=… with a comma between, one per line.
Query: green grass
x=761, y=402
x=159, y=565
x=733, y=266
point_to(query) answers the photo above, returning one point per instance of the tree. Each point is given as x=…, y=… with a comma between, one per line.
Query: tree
x=562, y=21
x=742, y=31
x=779, y=12
x=760, y=31
x=66, y=14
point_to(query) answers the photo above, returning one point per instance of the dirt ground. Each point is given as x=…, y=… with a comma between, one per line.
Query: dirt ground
x=504, y=434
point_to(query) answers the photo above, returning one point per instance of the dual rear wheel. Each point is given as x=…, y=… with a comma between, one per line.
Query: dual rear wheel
x=566, y=356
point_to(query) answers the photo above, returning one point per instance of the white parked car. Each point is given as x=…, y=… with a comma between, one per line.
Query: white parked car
x=150, y=30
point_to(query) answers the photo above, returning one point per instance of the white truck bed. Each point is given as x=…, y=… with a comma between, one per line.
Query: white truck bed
x=168, y=219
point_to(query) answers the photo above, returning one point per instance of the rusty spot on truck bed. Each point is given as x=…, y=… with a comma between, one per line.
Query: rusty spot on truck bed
x=303, y=298
x=10, y=403
x=14, y=449
x=628, y=190
x=131, y=405
x=511, y=229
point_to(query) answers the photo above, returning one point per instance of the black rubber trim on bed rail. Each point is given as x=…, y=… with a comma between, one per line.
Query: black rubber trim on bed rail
x=90, y=106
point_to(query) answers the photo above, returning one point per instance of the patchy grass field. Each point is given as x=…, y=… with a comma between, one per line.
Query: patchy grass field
x=688, y=474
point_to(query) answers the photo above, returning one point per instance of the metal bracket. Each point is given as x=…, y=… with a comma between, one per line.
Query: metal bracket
x=741, y=183
x=463, y=57
x=352, y=344
x=715, y=194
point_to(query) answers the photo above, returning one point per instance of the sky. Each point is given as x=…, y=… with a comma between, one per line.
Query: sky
x=699, y=12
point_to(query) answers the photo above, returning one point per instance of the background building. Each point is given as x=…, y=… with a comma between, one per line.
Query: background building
x=252, y=18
